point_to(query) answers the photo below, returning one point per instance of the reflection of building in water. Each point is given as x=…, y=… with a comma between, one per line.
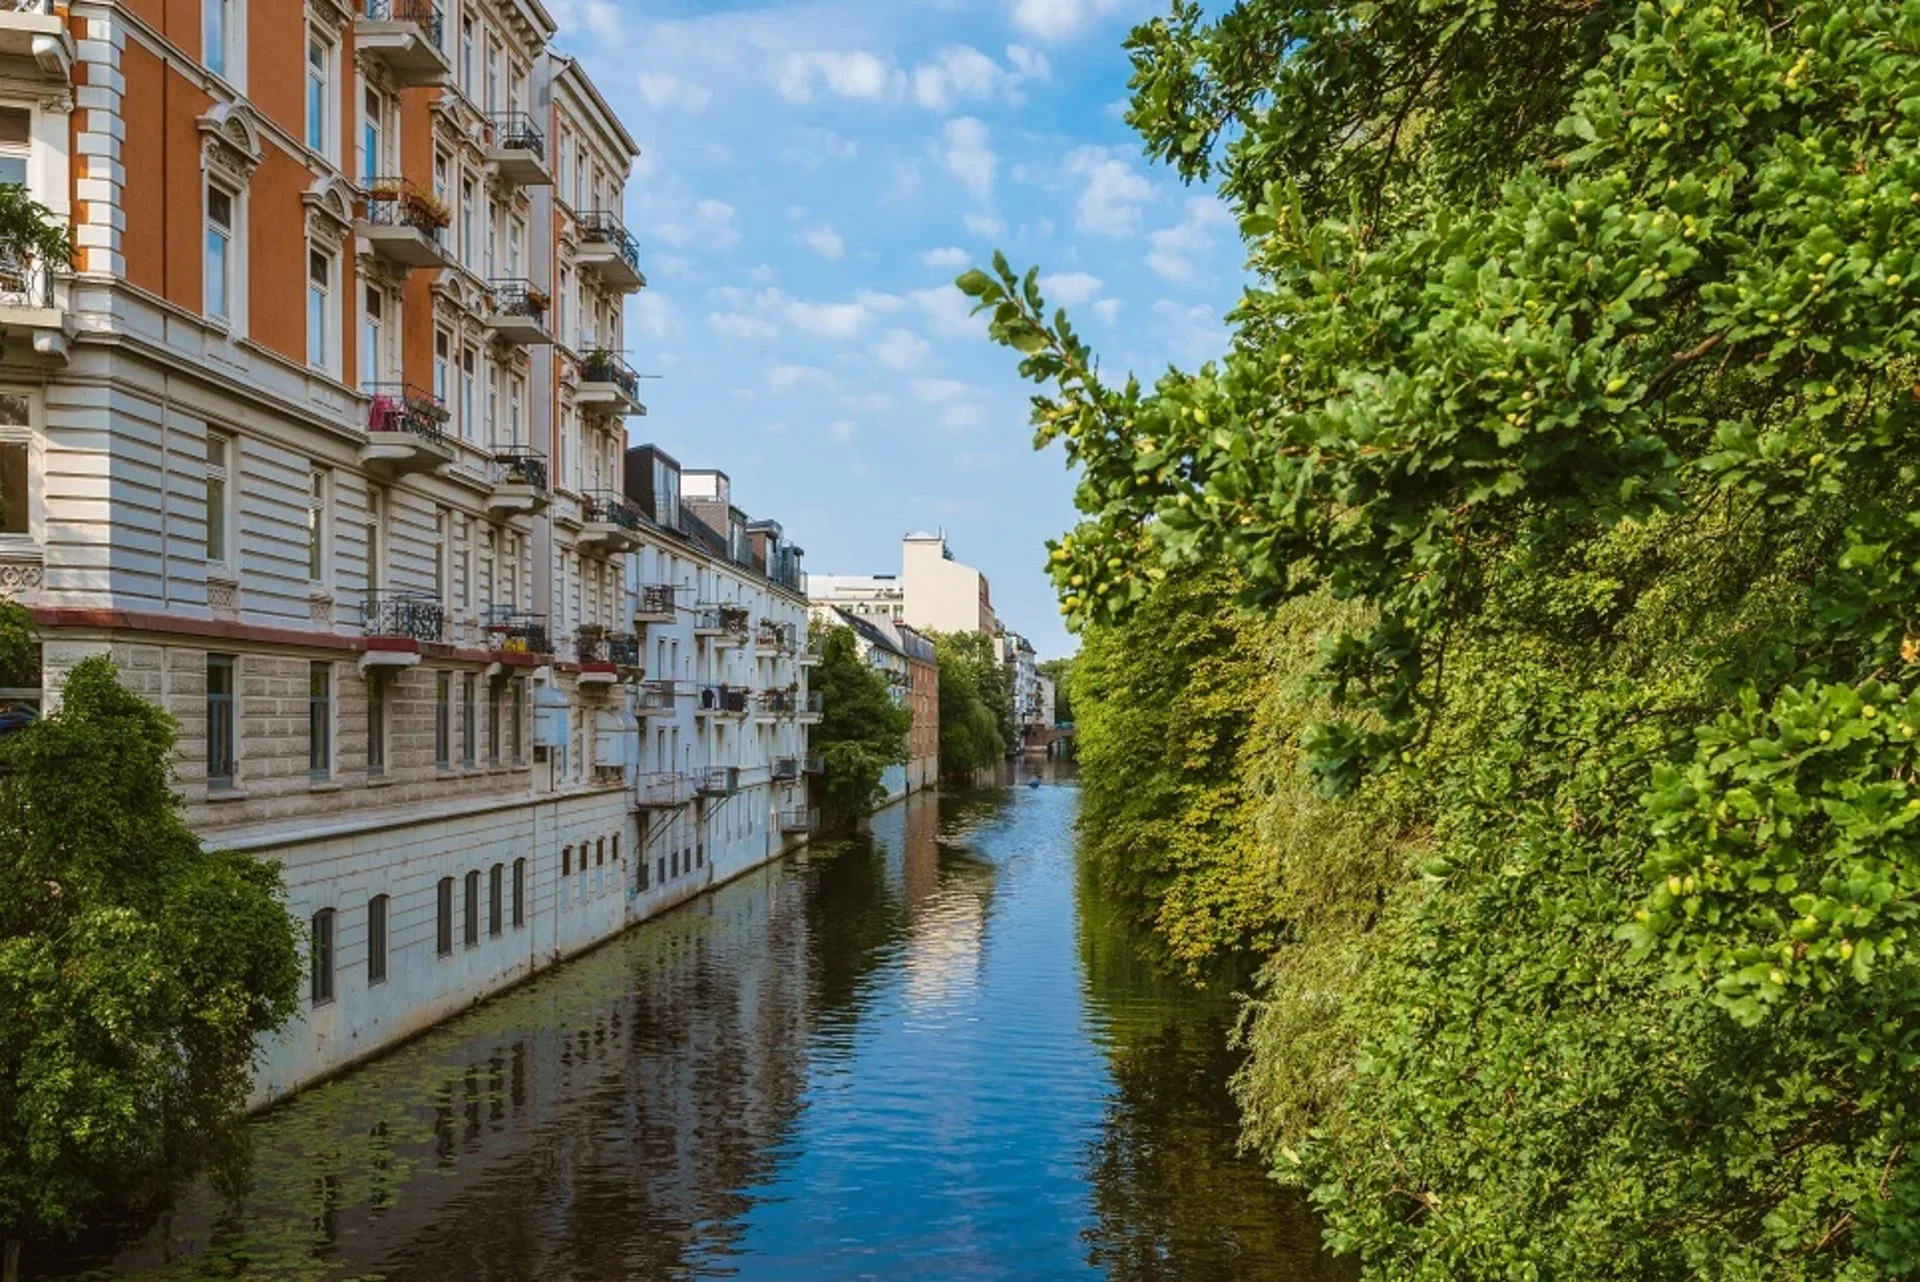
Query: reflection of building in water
x=947, y=896
x=598, y=1123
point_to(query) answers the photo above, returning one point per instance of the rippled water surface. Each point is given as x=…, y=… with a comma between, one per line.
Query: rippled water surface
x=926, y=1055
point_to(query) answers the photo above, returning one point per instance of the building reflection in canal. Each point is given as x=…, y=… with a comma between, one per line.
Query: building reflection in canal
x=897, y=1056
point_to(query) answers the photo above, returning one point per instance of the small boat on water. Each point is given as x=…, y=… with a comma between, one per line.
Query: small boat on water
x=1033, y=783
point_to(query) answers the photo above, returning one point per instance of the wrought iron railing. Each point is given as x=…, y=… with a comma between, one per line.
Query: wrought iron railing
x=512, y=296
x=26, y=280
x=415, y=615
x=590, y=645
x=657, y=696
x=601, y=227
x=735, y=619
x=721, y=781
x=724, y=698
x=520, y=465
x=663, y=788
x=397, y=202
x=426, y=14
x=813, y=702
x=604, y=507
x=781, y=637
x=786, y=768
x=781, y=702
x=624, y=649
x=795, y=821
x=656, y=598
x=706, y=619
x=516, y=131
x=603, y=366
x=511, y=631
x=402, y=407
x=26, y=6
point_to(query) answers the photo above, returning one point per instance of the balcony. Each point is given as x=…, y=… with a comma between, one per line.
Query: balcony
x=786, y=769
x=775, y=704
x=666, y=791
x=518, y=639
x=735, y=624
x=796, y=822
x=517, y=313
x=611, y=525
x=608, y=251
x=777, y=638
x=32, y=29
x=656, y=604
x=723, y=701
x=519, y=483
x=404, y=226
x=406, y=430
x=607, y=385
x=814, y=650
x=812, y=707
x=813, y=763
x=517, y=149
x=657, y=698
x=605, y=657
x=406, y=37
x=397, y=624
x=706, y=622
x=722, y=781
x=27, y=304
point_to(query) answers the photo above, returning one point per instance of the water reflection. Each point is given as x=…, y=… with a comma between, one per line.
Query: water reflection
x=922, y=1053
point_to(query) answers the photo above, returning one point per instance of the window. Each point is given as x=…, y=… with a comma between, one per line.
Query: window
x=320, y=959
x=442, y=720
x=519, y=893
x=442, y=359
x=376, y=727
x=566, y=861
x=469, y=224
x=220, y=737
x=444, y=938
x=372, y=333
x=441, y=524
x=493, y=76
x=216, y=32
x=466, y=54
x=515, y=394
x=469, y=423
x=319, y=720
x=375, y=568
x=16, y=145
x=496, y=701
x=496, y=900
x=467, y=735
x=470, y=920
x=463, y=564
x=219, y=303
x=566, y=306
x=513, y=248
x=15, y=509
x=319, y=310
x=515, y=704
x=219, y=452
x=580, y=180
x=319, y=96
x=317, y=526
x=376, y=940
x=600, y=853
x=373, y=129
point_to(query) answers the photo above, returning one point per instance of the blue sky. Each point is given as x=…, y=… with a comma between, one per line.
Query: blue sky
x=815, y=175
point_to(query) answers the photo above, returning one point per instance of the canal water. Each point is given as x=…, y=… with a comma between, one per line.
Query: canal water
x=928, y=1054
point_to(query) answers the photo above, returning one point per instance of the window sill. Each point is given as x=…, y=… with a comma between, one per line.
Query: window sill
x=227, y=794
x=325, y=785
x=381, y=781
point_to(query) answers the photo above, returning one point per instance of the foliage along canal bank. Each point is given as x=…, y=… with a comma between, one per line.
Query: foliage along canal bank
x=1510, y=641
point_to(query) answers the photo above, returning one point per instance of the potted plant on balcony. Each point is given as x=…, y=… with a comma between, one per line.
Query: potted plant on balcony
x=31, y=233
x=538, y=302
x=427, y=211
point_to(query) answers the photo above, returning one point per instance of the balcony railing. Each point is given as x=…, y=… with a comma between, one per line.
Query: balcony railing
x=780, y=702
x=520, y=465
x=664, y=789
x=723, y=698
x=517, y=131
x=402, y=407
x=625, y=650
x=799, y=821
x=603, y=366
x=657, y=697
x=721, y=781
x=600, y=227
x=813, y=763
x=413, y=615
x=512, y=296
x=786, y=769
x=813, y=703
x=595, y=645
x=44, y=7
x=735, y=619
x=783, y=638
x=517, y=632
x=26, y=280
x=425, y=14
x=396, y=202
x=656, y=600
x=605, y=507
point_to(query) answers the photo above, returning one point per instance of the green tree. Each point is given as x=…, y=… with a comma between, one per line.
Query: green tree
x=1576, y=382
x=1060, y=672
x=862, y=731
x=136, y=968
x=975, y=704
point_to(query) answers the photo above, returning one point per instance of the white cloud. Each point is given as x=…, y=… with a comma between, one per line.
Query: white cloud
x=961, y=73
x=986, y=225
x=653, y=315
x=841, y=431
x=1058, y=19
x=664, y=89
x=824, y=241
x=714, y=226
x=741, y=325
x=1195, y=331
x=826, y=320
x=868, y=403
x=1070, y=289
x=963, y=152
x=1029, y=63
x=813, y=148
x=1108, y=310
x=938, y=391
x=1109, y=203
x=878, y=302
x=1176, y=248
x=763, y=274
x=960, y=417
x=946, y=260
x=785, y=378
x=901, y=349
x=855, y=74
x=599, y=19
x=950, y=313
x=745, y=394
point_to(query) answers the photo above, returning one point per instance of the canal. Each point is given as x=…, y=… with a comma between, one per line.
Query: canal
x=927, y=1054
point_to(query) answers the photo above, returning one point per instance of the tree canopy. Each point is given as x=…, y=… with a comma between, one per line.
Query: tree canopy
x=976, y=707
x=136, y=969
x=1571, y=405
x=862, y=731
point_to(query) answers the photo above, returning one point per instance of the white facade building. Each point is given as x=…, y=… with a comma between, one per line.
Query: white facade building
x=934, y=592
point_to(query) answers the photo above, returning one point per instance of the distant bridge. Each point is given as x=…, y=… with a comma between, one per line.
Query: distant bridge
x=1048, y=741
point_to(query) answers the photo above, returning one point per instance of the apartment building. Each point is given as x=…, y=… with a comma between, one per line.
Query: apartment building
x=321, y=439
x=905, y=660
x=719, y=605
x=934, y=592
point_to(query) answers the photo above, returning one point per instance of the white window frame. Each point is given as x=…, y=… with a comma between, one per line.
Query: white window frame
x=328, y=361
x=28, y=434
x=328, y=75
x=221, y=515
x=375, y=334
x=469, y=374
x=233, y=278
x=319, y=527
